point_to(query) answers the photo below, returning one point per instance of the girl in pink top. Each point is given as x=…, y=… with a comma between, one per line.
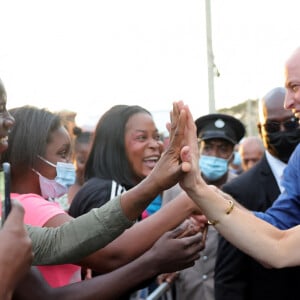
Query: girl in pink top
x=37, y=212
x=39, y=152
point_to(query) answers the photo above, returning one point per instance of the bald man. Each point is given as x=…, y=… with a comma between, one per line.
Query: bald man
x=238, y=276
x=251, y=149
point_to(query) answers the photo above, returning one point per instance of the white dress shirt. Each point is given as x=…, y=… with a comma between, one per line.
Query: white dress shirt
x=277, y=166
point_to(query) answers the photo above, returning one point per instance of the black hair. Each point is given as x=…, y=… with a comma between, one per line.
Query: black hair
x=107, y=158
x=29, y=136
x=82, y=137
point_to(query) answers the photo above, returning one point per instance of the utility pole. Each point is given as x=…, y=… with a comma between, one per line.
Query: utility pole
x=210, y=60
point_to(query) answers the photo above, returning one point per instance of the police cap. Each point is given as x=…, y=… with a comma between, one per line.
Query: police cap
x=220, y=126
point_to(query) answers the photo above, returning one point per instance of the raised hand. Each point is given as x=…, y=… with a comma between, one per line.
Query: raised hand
x=189, y=153
x=170, y=168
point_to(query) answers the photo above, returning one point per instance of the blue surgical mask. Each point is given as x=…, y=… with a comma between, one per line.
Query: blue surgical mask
x=65, y=177
x=213, y=168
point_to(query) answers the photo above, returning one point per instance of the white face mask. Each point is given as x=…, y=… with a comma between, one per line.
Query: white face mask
x=55, y=188
x=50, y=188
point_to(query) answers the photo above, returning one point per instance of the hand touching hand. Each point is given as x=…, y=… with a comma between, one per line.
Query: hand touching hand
x=170, y=168
x=189, y=154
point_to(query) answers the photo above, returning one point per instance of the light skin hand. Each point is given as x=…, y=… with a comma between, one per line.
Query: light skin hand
x=241, y=228
x=189, y=153
x=192, y=182
x=178, y=116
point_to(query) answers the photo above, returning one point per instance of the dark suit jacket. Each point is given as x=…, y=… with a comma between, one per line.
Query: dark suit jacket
x=237, y=276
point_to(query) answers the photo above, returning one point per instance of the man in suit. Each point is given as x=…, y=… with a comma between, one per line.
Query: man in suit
x=237, y=276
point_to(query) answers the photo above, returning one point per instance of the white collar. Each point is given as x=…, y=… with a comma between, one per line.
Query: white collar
x=277, y=166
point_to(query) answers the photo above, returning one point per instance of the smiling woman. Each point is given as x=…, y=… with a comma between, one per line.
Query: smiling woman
x=142, y=144
x=125, y=149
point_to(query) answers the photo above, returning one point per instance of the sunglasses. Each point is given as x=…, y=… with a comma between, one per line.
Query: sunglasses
x=274, y=126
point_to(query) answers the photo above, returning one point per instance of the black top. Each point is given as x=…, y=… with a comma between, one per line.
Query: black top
x=93, y=194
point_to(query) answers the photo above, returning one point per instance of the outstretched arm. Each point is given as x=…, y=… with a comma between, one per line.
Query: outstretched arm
x=252, y=235
x=170, y=253
x=165, y=174
x=125, y=248
x=79, y=237
x=72, y=241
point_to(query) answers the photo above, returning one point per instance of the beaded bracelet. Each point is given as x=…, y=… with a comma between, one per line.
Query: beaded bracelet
x=228, y=211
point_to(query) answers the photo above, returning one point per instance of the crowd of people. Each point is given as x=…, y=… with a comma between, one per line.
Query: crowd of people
x=110, y=212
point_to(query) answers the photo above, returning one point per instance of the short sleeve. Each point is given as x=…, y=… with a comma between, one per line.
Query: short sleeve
x=37, y=210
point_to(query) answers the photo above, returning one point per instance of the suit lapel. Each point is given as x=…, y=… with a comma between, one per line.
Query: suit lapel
x=268, y=181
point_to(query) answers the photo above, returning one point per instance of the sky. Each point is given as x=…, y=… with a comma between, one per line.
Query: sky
x=87, y=56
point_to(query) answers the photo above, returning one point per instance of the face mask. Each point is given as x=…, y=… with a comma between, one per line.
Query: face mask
x=213, y=167
x=50, y=188
x=65, y=177
x=283, y=143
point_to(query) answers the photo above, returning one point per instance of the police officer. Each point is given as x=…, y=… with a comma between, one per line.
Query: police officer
x=218, y=134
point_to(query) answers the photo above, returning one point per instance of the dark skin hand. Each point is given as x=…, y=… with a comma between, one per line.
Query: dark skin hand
x=15, y=250
x=170, y=253
x=168, y=170
x=192, y=228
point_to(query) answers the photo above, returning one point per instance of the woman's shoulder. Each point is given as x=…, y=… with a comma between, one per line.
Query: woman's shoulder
x=32, y=200
x=95, y=186
x=98, y=182
x=94, y=193
x=37, y=210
